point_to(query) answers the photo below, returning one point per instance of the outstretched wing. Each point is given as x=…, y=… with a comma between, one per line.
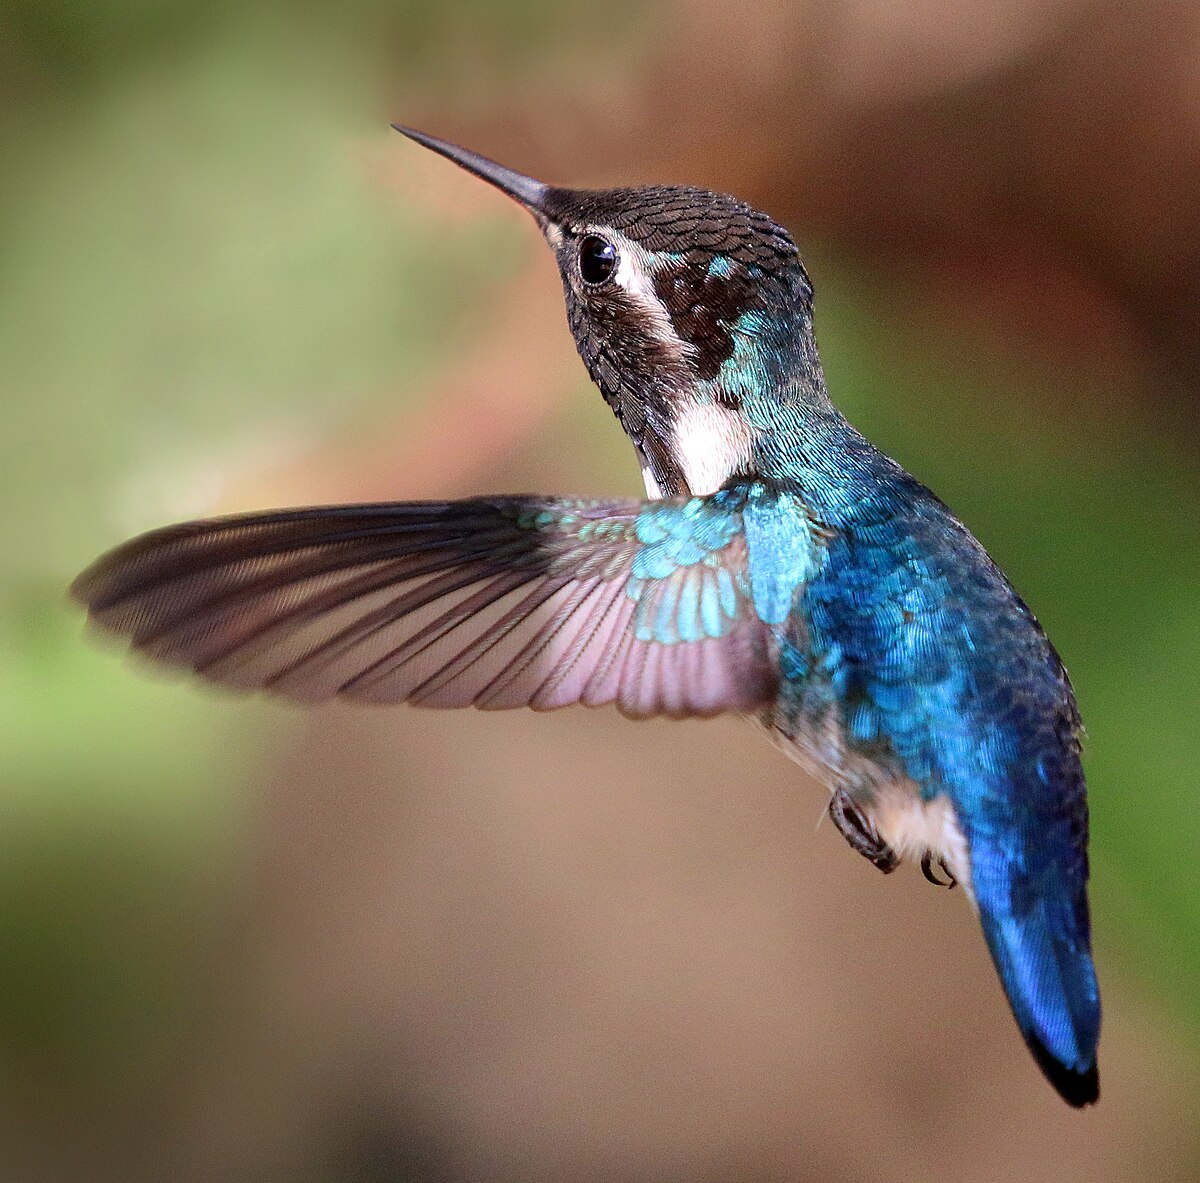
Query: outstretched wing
x=497, y=602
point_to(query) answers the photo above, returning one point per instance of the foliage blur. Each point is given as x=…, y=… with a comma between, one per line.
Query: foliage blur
x=226, y=284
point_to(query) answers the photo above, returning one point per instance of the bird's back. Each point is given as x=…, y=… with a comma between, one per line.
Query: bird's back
x=924, y=673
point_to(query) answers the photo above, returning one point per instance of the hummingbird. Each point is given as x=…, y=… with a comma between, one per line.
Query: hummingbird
x=781, y=567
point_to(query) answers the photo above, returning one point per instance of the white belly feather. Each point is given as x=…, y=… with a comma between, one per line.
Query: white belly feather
x=911, y=826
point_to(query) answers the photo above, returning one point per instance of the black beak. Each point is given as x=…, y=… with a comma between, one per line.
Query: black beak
x=530, y=193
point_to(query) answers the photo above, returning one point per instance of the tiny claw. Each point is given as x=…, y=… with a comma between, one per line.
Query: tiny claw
x=860, y=832
x=928, y=872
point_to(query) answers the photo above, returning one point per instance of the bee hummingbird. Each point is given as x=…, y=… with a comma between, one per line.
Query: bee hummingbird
x=781, y=567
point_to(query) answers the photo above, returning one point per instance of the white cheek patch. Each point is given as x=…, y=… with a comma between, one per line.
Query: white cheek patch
x=710, y=443
x=632, y=276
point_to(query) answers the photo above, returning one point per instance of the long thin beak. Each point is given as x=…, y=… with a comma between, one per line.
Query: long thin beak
x=530, y=193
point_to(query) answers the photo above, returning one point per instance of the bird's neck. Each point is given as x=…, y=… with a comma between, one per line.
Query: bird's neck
x=765, y=415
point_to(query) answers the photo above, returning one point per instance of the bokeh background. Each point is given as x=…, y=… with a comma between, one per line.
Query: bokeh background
x=240, y=942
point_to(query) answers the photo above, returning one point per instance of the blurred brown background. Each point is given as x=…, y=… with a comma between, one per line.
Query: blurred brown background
x=245, y=943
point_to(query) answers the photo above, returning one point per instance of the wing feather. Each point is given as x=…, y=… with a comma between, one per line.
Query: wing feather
x=493, y=602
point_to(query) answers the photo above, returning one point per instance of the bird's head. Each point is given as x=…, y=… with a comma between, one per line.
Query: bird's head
x=691, y=310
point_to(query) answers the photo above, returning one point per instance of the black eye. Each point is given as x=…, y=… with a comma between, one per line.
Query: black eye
x=597, y=259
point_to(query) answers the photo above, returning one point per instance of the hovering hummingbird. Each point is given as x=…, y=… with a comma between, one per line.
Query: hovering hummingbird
x=781, y=567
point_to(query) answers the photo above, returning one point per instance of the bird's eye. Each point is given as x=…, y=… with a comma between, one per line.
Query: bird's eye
x=597, y=259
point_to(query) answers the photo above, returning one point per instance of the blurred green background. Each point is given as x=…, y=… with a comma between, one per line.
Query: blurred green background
x=215, y=267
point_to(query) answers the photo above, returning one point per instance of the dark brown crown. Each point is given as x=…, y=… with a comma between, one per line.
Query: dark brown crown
x=680, y=219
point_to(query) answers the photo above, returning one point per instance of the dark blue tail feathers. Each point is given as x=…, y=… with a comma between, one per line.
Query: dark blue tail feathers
x=1035, y=917
x=1041, y=946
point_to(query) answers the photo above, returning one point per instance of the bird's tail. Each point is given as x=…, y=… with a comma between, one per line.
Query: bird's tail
x=1040, y=941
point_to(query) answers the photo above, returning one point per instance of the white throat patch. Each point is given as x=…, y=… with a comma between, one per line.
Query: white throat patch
x=710, y=443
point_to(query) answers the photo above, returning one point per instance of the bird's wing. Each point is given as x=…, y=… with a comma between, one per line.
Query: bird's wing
x=496, y=602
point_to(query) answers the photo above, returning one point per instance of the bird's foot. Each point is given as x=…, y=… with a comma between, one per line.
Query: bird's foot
x=927, y=865
x=860, y=832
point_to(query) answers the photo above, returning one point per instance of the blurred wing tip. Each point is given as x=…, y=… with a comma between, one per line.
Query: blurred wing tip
x=106, y=634
x=82, y=589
